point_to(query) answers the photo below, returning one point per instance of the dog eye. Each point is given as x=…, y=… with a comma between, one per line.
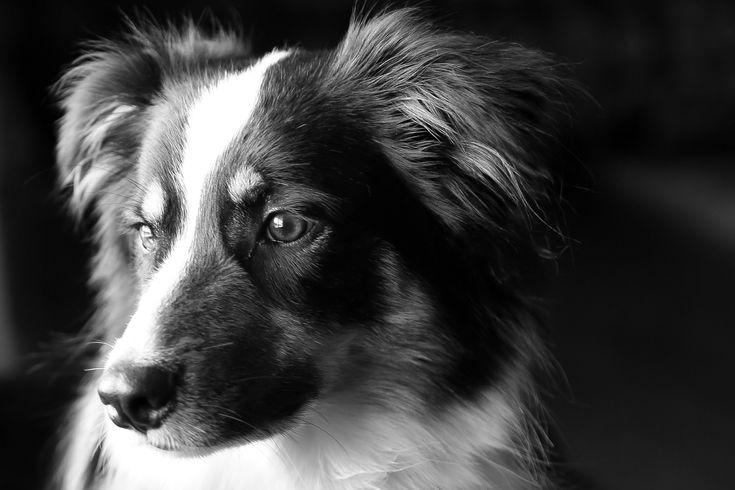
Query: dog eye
x=286, y=227
x=147, y=238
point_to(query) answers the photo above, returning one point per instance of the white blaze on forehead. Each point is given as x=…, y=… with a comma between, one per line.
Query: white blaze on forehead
x=244, y=181
x=215, y=120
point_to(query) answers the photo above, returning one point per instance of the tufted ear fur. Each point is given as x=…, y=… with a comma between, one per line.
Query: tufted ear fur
x=105, y=94
x=462, y=117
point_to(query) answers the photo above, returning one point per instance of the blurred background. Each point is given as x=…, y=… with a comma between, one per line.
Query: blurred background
x=642, y=304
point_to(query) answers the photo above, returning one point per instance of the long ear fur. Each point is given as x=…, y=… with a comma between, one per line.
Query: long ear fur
x=105, y=93
x=462, y=116
x=464, y=121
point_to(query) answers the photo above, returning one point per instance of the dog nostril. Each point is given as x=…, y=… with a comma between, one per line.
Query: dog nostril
x=137, y=396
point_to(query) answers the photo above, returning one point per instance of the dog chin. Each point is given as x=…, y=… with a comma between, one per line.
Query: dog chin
x=164, y=442
x=181, y=451
x=168, y=445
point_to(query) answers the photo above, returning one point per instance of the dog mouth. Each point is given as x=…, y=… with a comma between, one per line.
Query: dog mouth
x=177, y=437
x=167, y=441
x=174, y=448
x=173, y=445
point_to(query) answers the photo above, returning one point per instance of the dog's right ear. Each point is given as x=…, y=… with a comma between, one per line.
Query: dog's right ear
x=105, y=98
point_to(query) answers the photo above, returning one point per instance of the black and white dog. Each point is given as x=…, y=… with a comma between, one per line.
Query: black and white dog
x=310, y=265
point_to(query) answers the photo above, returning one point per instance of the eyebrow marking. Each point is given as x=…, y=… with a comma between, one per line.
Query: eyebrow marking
x=154, y=203
x=243, y=183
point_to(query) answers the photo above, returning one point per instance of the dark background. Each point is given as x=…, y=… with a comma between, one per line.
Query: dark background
x=642, y=305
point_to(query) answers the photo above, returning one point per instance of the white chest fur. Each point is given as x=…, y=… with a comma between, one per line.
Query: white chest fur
x=340, y=449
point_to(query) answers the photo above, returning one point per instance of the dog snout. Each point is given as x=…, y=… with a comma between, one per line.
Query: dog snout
x=137, y=396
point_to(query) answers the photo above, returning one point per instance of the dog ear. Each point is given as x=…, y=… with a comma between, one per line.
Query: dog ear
x=104, y=97
x=461, y=117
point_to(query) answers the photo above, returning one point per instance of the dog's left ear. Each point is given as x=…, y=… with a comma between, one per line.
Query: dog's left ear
x=107, y=92
x=461, y=117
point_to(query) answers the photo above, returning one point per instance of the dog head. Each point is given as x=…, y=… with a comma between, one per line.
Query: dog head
x=304, y=228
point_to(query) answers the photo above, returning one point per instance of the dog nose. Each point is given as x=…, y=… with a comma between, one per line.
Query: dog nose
x=137, y=396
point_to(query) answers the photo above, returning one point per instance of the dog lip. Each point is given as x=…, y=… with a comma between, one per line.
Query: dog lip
x=184, y=451
x=163, y=447
x=117, y=419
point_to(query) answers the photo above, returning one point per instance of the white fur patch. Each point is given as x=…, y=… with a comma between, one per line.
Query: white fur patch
x=215, y=119
x=244, y=181
x=154, y=202
x=135, y=465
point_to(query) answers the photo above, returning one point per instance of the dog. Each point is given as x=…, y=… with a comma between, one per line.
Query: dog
x=311, y=266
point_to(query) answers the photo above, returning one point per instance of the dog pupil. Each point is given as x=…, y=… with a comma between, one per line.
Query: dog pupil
x=286, y=227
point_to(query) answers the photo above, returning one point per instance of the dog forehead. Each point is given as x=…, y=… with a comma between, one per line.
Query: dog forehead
x=215, y=122
x=192, y=131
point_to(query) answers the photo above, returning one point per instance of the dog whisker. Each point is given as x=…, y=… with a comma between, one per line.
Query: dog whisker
x=99, y=342
x=217, y=346
x=283, y=455
x=238, y=419
x=325, y=431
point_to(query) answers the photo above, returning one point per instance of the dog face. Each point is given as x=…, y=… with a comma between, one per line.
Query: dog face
x=267, y=270
x=301, y=229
